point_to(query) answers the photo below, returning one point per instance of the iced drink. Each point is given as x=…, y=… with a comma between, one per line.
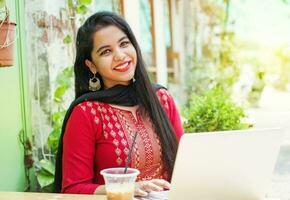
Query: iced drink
x=120, y=186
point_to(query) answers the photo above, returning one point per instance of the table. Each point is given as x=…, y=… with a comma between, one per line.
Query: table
x=54, y=196
x=47, y=196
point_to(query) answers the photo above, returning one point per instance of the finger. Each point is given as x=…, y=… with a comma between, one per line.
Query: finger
x=149, y=186
x=161, y=183
x=140, y=192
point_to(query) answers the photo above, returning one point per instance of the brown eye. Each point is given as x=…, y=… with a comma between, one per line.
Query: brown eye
x=124, y=44
x=106, y=52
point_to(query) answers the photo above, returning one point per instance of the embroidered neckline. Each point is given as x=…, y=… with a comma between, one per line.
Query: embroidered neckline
x=133, y=110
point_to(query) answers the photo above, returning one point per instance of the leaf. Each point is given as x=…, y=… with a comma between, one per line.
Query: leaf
x=53, y=139
x=85, y=2
x=2, y=3
x=47, y=166
x=44, y=179
x=70, y=3
x=63, y=80
x=82, y=9
x=68, y=71
x=67, y=39
x=57, y=118
x=48, y=189
x=59, y=92
x=65, y=77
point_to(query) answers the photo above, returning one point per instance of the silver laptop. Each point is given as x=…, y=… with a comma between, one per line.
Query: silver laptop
x=230, y=165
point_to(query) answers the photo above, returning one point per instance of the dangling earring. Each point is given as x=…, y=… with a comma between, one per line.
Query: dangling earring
x=94, y=83
x=134, y=80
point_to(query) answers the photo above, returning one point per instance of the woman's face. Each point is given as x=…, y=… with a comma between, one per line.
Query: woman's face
x=113, y=56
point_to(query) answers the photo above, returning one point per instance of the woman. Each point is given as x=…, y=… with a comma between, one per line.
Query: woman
x=114, y=100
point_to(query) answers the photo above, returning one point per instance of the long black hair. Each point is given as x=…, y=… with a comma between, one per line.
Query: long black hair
x=145, y=92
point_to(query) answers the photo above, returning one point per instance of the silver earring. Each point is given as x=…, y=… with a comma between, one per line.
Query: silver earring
x=134, y=80
x=94, y=83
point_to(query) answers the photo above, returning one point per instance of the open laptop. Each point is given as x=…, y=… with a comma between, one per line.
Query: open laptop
x=229, y=165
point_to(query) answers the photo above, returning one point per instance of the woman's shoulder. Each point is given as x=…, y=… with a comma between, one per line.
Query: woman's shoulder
x=87, y=104
x=89, y=107
x=164, y=97
x=162, y=93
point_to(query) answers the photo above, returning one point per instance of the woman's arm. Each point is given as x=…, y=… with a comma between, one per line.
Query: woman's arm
x=101, y=190
x=170, y=108
x=78, y=154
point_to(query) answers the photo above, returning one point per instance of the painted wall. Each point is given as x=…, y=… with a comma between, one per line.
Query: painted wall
x=11, y=118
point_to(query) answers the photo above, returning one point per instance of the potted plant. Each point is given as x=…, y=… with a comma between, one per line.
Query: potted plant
x=7, y=31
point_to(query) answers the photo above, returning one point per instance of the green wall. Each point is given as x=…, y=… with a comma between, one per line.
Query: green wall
x=12, y=112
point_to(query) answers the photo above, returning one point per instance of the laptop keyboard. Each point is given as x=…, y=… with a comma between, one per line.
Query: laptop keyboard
x=155, y=196
x=280, y=189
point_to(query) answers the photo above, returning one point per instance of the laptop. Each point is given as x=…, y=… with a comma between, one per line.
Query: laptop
x=229, y=165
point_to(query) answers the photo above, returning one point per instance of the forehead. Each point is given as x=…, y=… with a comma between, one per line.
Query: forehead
x=108, y=35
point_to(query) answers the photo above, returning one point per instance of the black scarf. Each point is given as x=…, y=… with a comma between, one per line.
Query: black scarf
x=117, y=95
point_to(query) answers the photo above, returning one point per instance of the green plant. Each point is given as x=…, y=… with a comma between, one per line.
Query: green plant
x=46, y=169
x=3, y=10
x=257, y=88
x=213, y=61
x=282, y=68
x=2, y=3
x=3, y=7
x=213, y=111
x=45, y=175
x=64, y=81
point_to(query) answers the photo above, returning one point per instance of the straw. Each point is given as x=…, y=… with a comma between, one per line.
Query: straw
x=130, y=153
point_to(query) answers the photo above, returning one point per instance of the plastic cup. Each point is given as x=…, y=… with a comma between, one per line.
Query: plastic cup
x=120, y=186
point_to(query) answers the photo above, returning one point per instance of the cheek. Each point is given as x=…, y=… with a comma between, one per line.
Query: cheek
x=103, y=64
x=133, y=54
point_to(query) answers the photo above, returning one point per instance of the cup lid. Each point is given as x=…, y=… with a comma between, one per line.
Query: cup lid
x=119, y=172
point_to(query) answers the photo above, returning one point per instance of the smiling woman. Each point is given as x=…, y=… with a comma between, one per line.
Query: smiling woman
x=115, y=100
x=113, y=57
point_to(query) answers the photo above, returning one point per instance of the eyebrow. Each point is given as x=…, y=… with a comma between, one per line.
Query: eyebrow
x=106, y=46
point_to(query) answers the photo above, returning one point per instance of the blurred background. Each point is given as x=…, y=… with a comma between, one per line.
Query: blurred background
x=189, y=46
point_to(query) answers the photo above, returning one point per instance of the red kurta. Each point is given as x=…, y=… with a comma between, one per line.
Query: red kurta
x=99, y=136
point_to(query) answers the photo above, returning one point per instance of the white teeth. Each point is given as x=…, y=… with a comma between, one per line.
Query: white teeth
x=122, y=66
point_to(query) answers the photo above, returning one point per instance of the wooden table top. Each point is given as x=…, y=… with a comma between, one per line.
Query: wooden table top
x=47, y=196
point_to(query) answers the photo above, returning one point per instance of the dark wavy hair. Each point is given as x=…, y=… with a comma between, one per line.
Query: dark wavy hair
x=146, y=93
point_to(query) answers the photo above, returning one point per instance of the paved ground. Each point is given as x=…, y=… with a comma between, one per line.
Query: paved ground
x=280, y=188
x=274, y=111
x=280, y=185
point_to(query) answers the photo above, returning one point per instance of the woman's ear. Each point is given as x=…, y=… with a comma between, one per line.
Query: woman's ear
x=91, y=66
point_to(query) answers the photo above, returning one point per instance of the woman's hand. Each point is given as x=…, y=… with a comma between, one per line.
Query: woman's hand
x=100, y=190
x=143, y=187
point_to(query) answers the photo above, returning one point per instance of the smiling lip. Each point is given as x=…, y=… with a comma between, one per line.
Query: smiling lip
x=123, y=69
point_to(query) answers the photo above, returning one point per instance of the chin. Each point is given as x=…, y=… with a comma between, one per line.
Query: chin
x=130, y=76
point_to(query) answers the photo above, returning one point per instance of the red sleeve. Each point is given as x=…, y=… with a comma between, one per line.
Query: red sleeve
x=78, y=154
x=169, y=106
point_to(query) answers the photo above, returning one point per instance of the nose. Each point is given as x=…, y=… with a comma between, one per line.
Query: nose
x=119, y=55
